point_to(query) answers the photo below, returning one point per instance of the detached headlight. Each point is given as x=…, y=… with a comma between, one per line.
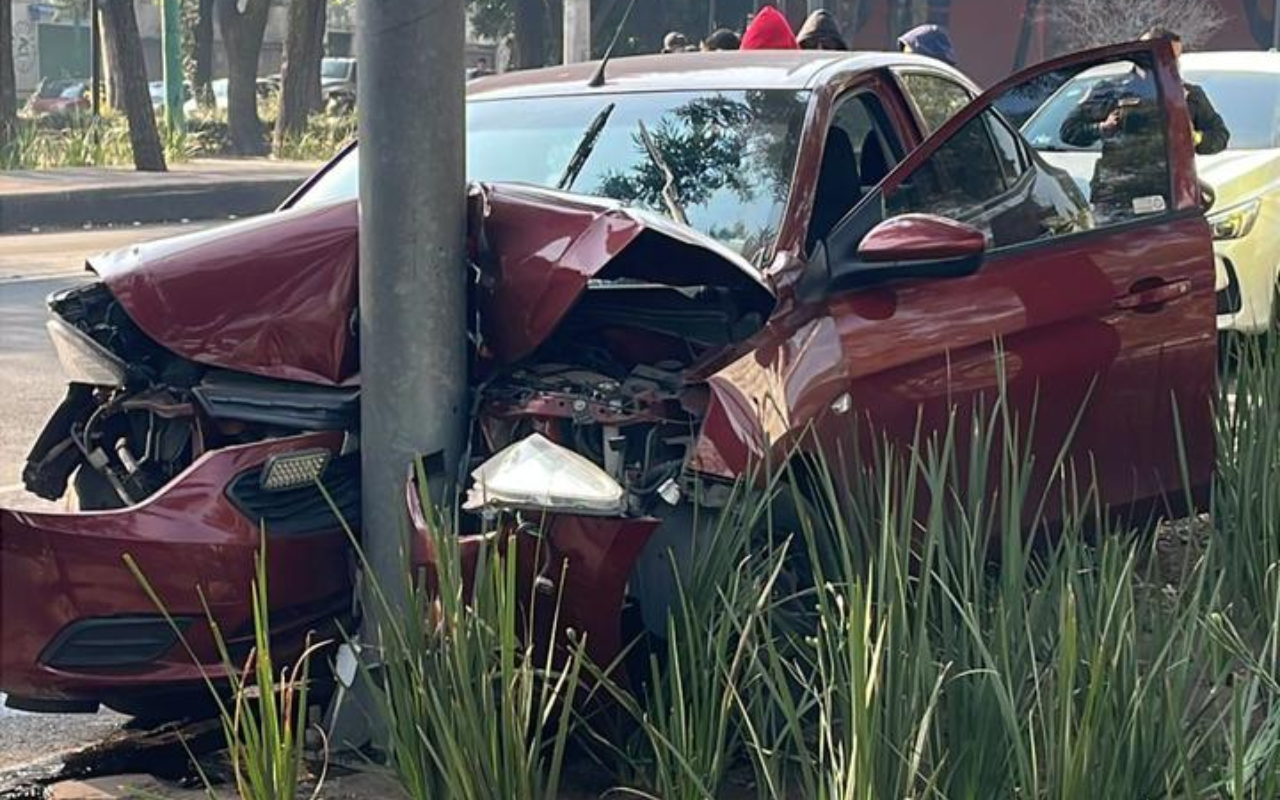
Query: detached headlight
x=535, y=473
x=83, y=359
x=1235, y=222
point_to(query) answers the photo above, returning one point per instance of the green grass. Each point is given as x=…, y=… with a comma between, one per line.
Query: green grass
x=81, y=141
x=263, y=705
x=470, y=708
x=948, y=646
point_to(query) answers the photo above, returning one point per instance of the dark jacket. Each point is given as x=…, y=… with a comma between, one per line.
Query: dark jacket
x=929, y=40
x=1132, y=168
x=821, y=32
x=1205, y=121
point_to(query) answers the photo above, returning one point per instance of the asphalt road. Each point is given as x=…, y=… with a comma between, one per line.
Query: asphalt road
x=31, y=384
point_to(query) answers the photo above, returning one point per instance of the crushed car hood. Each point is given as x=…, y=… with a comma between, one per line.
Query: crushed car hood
x=273, y=295
x=276, y=295
x=539, y=250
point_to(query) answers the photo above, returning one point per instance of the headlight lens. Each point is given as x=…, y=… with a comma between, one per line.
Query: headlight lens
x=83, y=359
x=1235, y=222
x=535, y=473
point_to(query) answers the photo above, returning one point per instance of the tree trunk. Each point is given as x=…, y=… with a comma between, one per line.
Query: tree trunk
x=1030, y=15
x=242, y=33
x=8, y=87
x=300, y=78
x=531, y=33
x=112, y=76
x=120, y=29
x=202, y=69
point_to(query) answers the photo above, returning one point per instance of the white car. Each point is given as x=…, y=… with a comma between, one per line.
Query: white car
x=1244, y=87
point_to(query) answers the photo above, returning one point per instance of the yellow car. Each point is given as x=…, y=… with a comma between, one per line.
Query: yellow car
x=1244, y=87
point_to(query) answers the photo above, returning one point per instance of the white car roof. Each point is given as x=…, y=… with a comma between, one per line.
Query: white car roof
x=1231, y=61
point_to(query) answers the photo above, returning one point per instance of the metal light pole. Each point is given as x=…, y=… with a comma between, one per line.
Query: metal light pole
x=95, y=58
x=1275, y=26
x=577, y=31
x=413, y=273
x=171, y=44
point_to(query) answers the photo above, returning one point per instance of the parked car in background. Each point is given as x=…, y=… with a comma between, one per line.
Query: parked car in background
x=1244, y=87
x=59, y=97
x=157, y=95
x=709, y=262
x=337, y=76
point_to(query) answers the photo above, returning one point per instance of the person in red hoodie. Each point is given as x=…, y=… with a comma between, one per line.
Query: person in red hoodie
x=769, y=31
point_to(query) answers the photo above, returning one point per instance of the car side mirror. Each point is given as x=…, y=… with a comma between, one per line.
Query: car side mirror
x=913, y=246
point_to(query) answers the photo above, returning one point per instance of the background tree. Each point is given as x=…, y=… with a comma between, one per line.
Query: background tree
x=300, y=79
x=8, y=89
x=120, y=30
x=198, y=22
x=1088, y=23
x=243, y=23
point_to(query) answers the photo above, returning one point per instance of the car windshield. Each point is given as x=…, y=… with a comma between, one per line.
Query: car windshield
x=721, y=160
x=1249, y=103
x=334, y=68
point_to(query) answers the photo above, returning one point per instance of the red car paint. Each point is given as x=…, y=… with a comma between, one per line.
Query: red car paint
x=271, y=296
x=920, y=237
x=587, y=561
x=837, y=362
x=56, y=568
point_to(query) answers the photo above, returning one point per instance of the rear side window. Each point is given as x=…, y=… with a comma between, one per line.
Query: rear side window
x=936, y=98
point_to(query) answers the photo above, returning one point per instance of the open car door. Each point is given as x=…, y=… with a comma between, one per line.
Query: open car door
x=1099, y=291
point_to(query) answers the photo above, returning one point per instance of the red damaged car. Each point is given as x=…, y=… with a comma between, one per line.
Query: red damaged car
x=676, y=274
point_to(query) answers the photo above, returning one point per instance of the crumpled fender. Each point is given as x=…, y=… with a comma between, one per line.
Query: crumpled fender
x=589, y=561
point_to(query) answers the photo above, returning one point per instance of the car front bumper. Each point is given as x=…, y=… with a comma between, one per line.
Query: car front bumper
x=1246, y=282
x=76, y=626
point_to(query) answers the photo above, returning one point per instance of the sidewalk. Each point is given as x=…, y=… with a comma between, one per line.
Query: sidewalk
x=196, y=190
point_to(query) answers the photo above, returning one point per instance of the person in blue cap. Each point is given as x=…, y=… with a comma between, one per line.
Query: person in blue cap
x=928, y=40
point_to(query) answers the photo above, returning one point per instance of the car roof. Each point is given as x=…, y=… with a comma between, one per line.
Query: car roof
x=723, y=70
x=1232, y=61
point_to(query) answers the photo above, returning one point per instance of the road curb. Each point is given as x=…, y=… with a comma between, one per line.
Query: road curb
x=143, y=204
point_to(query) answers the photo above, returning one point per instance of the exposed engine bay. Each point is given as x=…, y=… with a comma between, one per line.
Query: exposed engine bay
x=609, y=385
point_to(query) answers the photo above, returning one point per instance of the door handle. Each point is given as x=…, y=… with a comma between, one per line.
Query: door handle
x=1143, y=295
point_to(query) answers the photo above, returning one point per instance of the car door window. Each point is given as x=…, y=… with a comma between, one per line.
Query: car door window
x=1102, y=161
x=936, y=97
x=860, y=149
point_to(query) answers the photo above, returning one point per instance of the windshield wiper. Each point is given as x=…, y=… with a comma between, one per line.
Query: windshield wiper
x=585, y=145
x=670, y=198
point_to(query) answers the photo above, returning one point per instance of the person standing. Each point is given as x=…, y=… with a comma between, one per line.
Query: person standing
x=721, y=39
x=769, y=30
x=821, y=32
x=1207, y=126
x=929, y=40
x=675, y=42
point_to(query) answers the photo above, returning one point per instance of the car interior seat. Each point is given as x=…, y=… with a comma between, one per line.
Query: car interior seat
x=839, y=187
x=873, y=162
